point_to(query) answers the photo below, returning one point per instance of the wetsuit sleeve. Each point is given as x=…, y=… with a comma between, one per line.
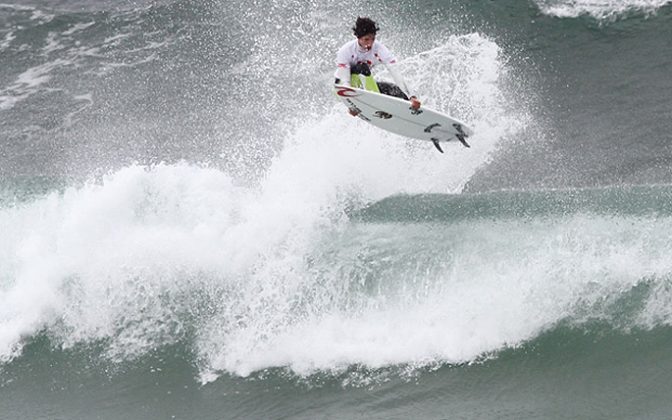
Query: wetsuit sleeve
x=386, y=57
x=343, y=66
x=398, y=79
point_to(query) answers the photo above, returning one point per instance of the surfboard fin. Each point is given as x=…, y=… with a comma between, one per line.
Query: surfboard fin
x=461, y=135
x=436, y=144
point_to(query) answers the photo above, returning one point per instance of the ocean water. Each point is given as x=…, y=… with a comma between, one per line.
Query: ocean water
x=192, y=227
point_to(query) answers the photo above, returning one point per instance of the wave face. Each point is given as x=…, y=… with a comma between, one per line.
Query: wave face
x=190, y=221
x=179, y=254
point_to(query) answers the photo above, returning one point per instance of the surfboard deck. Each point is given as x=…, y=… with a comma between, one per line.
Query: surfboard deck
x=396, y=115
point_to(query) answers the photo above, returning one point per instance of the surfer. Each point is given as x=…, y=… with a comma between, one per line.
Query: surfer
x=360, y=55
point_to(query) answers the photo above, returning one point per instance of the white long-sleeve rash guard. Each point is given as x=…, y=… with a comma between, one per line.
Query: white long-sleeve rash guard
x=351, y=53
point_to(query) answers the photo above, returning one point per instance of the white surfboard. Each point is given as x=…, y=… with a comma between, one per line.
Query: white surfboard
x=397, y=116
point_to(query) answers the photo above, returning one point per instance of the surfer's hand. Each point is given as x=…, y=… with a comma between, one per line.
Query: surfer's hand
x=415, y=103
x=353, y=112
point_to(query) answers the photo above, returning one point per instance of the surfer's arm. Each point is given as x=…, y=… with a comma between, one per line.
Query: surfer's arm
x=343, y=78
x=399, y=81
x=343, y=74
x=343, y=62
x=388, y=59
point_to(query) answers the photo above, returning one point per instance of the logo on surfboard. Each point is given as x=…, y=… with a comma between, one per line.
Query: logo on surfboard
x=383, y=115
x=347, y=92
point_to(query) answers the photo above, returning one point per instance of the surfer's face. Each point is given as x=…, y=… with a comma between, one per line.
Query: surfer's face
x=366, y=41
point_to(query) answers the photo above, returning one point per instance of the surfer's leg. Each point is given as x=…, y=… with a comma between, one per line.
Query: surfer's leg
x=391, y=89
x=360, y=68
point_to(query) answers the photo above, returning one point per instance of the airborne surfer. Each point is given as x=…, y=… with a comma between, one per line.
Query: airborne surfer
x=360, y=55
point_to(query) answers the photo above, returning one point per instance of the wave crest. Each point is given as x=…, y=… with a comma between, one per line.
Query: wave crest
x=599, y=9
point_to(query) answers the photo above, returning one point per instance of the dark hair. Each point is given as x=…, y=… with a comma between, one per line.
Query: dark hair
x=364, y=26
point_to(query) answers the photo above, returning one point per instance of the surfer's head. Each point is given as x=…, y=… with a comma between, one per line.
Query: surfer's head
x=365, y=30
x=364, y=26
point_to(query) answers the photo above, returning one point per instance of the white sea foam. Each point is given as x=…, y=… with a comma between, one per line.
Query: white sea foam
x=114, y=40
x=53, y=44
x=5, y=43
x=61, y=51
x=599, y=9
x=78, y=27
x=16, y=7
x=36, y=76
x=29, y=82
x=36, y=14
x=41, y=16
x=8, y=102
x=47, y=244
x=502, y=284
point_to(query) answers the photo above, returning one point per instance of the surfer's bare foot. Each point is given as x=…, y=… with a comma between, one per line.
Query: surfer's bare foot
x=353, y=112
x=415, y=104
